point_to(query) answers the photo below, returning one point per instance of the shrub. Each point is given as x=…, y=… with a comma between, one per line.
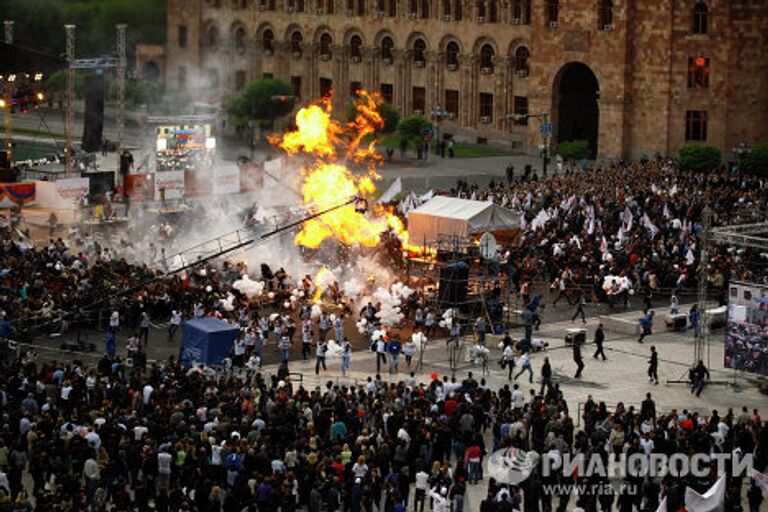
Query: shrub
x=699, y=158
x=573, y=150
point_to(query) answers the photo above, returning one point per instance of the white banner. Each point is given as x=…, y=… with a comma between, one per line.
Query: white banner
x=172, y=182
x=73, y=189
x=226, y=179
x=710, y=501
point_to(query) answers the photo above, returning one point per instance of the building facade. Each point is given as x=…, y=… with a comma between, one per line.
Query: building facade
x=633, y=77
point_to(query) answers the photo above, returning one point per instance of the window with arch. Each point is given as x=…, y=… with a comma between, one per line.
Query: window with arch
x=350, y=4
x=493, y=11
x=425, y=9
x=413, y=8
x=452, y=54
x=268, y=40
x=481, y=10
x=212, y=36
x=300, y=5
x=419, y=50
x=457, y=12
x=325, y=45
x=486, y=58
x=522, y=57
x=387, y=45
x=553, y=12
x=296, y=40
x=213, y=78
x=446, y=7
x=361, y=7
x=380, y=5
x=356, y=47
x=605, y=15
x=700, y=18
x=392, y=8
x=240, y=39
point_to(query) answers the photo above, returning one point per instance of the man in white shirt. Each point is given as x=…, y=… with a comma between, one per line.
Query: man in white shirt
x=146, y=394
x=163, y=469
x=508, y=360
x=518, y=399
x=175, y=323
x=525, y=365
x=439, y=500
x=114, y=320
x=381, y=353
x=422, y=486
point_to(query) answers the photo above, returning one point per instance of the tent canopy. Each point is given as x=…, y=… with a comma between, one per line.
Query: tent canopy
x=443, y=215
x=207, y=341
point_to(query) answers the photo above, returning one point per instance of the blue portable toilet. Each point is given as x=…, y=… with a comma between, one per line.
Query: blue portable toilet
x=207, y=341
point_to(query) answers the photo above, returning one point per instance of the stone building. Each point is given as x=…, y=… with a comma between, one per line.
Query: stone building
x=633, y=77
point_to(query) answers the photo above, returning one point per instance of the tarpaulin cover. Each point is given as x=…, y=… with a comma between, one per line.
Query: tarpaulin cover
x=443, y=215
x=206, y=340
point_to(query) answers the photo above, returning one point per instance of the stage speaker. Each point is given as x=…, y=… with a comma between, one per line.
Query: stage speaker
x=453, y=284
x=575, y=336
x=93, y=128
x=5, y=160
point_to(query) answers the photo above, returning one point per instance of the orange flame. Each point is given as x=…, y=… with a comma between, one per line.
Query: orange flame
x=328, y=182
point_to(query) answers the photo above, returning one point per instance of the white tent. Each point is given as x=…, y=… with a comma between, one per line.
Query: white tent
x=444, y=215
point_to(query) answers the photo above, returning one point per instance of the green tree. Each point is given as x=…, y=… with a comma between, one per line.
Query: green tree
x=413, y=128
x=262, y=101
x=573, y=150
x=699, y=158
x=391, y=117
x=57, y=82
x=756, y=161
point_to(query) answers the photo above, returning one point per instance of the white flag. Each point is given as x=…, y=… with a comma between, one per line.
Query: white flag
x=709, y=501
x=394, y=189
x=662, y=505
x=761, y=480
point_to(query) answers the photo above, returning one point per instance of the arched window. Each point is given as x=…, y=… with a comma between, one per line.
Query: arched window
x=419, y=47
x=522, y=56
x=240, y=39
x=213, y=78
x=493, y=11
x=361, y=7
x=300, y=5
x=517, y=11
x=392, y=8
x=605, y=15
x=212, y=37
x=457, y=13
x=700, y=18
x=325, y=45
x=386, y=48
x=486, y=58
x=553, y=12
x=356, y=47
x=413, y=8
x=481, y=10
x=296, y=40
x=380, y=6
x=268, y=40
x=425, y=9
x=452, y=54
x=446, y=7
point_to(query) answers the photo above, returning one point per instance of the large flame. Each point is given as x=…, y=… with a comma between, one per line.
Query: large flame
x=327, y=145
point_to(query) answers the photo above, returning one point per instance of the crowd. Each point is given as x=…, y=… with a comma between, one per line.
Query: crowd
x=641, y=221
x=168, y=438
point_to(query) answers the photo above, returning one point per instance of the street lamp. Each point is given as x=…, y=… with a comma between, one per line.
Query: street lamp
x=741, y=150
x=438, y=113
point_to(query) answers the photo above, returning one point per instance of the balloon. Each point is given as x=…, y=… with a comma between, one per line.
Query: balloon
x=434, y=376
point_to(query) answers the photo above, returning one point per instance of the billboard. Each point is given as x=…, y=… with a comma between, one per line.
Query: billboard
x=746, y=336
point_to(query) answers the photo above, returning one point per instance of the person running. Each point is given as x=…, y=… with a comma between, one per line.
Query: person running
x=546, y=376
x=653, y=366
x=508, y=361
x=599, y=339
x=580, y=310
x=525, y=365
x=306, y=342
x=698, y=375
x=346, y=355
x=322, y=347
x=578, y=359
x=646, y=324
x=381, y=353
x=175, y=323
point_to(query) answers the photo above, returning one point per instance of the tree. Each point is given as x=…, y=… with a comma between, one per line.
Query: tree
x=699, y=158
x=756, y=161
x=57, y=82
x=573, y=150
x=391, y=117
x=413, y=128
x=262, y=101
